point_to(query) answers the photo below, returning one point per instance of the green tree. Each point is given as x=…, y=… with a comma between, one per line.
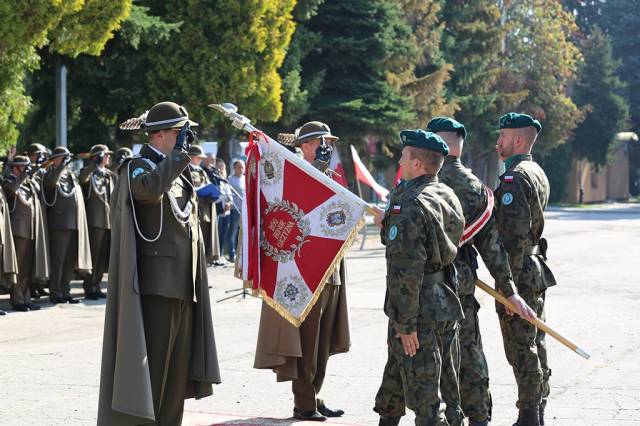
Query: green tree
x=227, y=51
x=103, y=91
x=615, y=18
x=422, y=76
x=597, y=88
x=69, y=27
x=472, y=42
x=543, y=60
x=358, y=39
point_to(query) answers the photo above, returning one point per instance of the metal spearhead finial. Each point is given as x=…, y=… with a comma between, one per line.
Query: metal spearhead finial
x=230, y=111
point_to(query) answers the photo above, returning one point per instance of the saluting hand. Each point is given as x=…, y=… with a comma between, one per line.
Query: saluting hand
x=410, y=343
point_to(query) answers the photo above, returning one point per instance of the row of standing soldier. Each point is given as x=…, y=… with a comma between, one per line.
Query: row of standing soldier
x=57, y=226
x=433, y=228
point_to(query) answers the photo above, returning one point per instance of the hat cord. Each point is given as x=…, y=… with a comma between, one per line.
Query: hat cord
x=133, y=208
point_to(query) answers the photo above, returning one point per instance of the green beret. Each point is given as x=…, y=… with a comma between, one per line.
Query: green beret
x=422, y=139
x=513, y=120
x=446, y=124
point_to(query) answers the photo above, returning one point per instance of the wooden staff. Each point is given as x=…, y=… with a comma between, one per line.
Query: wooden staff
x=537, y=322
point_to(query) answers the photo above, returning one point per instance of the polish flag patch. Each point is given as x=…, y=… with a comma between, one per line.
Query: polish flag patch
x=508, y=179
x=396, y=209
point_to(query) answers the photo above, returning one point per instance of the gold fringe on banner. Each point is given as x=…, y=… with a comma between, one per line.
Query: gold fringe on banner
x=348, y=242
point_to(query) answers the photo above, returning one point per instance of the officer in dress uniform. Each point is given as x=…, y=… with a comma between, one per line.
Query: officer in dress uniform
x=97, y=183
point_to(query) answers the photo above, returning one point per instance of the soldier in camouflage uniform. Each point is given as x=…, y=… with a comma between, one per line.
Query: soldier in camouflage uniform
x=521, y=197
x=481, y=234
x=421, y=229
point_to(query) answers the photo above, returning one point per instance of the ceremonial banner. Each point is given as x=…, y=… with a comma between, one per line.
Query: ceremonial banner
x=297, y=225
x=363, y=175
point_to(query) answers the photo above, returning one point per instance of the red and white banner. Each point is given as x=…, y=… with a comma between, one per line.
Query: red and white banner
x=335, y=164
x=363, y=175
x=297, y=225
x=398, y=178
x=472, y=229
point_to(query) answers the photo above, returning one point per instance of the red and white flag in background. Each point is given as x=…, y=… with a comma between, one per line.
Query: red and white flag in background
x=335, y=164
x=398, y=179
x=363, y=175
x=297, y=225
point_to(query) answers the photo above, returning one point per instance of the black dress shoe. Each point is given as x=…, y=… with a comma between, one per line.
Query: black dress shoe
x=35, y=294
x=55, y=299
x=33, y=306
x=71, y=300
x=20, y=307
x=100, y=294
x=91, y=296
x=311, y=416
x=328, y=412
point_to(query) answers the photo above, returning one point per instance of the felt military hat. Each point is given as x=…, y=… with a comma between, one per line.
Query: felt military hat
x=36, y=148
x=166, y=115
x=419, y=138
x=513, y=120
x=20, y=160
x=97, y=149
x=196, y=151
x=446, y=124
x=123, y=152
x=312, y=130
x=60, y=151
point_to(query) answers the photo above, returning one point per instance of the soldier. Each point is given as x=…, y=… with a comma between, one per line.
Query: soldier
x=521, y=197
x=39, y=155
x=158, y=318
x=97, y=183
x=206, y=206
x=481, y=234
x=120, y=155
x=421, y=228
x=18, y=286
x=301, y=354
x=69, y=246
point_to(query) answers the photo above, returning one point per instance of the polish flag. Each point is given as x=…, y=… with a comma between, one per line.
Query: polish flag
x=363, y=175
x=335, y=164
x=396, y=182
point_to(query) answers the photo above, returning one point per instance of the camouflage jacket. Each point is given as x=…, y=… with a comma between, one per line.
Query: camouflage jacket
x=521, y=197
x=473, y=198
x=421, y=229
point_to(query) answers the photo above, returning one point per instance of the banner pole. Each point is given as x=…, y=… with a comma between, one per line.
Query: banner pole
x=537, y=322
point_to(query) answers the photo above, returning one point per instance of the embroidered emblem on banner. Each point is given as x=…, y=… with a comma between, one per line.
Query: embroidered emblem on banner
x=336, y=219
x=272, y=169
x=507, y=198
x=288, y=229
x=393, y=232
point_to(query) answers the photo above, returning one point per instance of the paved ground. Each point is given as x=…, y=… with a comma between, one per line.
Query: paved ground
x=50, y=359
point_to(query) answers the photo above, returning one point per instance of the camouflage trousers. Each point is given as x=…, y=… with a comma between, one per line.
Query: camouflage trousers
x=526, y=351
x=414, y=382
x=471, y=370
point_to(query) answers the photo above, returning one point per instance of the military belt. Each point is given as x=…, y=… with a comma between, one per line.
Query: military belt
x=539, y=249
x=434, y=277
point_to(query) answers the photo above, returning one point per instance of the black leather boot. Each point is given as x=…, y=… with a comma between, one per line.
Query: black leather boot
x=528, y=417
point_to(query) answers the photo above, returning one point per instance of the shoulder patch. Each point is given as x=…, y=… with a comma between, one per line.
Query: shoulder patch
x=393, y=233
x=508, y=179
x=507, y=198
x=137, y=172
